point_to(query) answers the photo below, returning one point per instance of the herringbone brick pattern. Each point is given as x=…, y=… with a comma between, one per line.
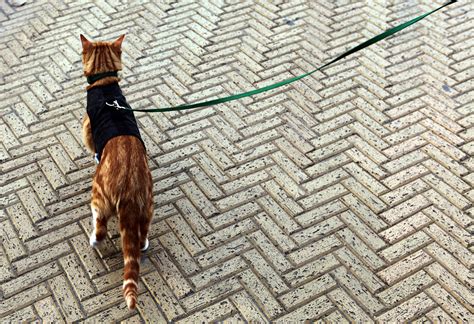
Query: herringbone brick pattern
x=347, y=196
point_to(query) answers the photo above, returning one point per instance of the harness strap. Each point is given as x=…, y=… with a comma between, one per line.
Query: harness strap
x=96, y=77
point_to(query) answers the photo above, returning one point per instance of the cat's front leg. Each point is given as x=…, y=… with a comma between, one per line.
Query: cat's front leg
x=87, y=134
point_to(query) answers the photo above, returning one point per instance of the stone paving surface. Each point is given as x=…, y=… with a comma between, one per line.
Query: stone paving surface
x=347, y=196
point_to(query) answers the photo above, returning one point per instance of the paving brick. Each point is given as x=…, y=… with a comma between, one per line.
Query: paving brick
x=409, y=309
x=246, y=306
x=405, y=266
x=310, y=311
x=211, y=313
x=260, y=294
x=66, y=300
x=48, y=311
x=405, y=288
x=461, y=293
x=307, y=291
x=347, y=305
x=447, y=306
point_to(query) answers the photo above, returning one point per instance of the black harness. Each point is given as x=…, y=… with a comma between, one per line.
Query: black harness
x=110, y=116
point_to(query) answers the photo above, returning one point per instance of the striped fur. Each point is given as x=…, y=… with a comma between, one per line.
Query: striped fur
x=122, y=182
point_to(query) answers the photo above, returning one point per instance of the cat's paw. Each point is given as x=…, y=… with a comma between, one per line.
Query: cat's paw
x=145, y=247
x=93, y=241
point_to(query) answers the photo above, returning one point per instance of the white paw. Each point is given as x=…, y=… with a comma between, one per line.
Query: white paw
x=93, y=240
x=147, y=244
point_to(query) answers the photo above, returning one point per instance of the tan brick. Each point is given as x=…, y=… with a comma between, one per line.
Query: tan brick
x=149, y=310
x=211, y=313
x=280, y=196
x=314, y=249
x=311, y=269
x=364, y=232
x=113, y=313
x=409, y=309
x=358, y=290
x=77, y=276
x=320, y=213
x=405, y=228
x=348, y=259
x=447, y=306
x=273, y=231
x=444, y=160
x=439, y=315
x=269, y=251
x=29, y=279
x=89, y=257
x=65, y=299
x=236, y=199
x=405, y=209
x=347, y=305
x=460, y=252
x=210, y=294
x=405, y=288
x=171, y=274
x=40, y=258
x=449, y=225
x=228, y=232
x=365, y=163
x=269, y=276
x=11, y=242
x=318, y=230
x=48, y=311
x=448, y=208
x=218, y=273
x=323, y=196
x=361, y=192
x=246, y=306
x=260, y=294
x=22, y=222
x=405, y=176
x=194, y=218
x=179, y=253
x=443, y=257
x=446, y=191
x=462, y=294
x=404, y=267
x=26, y=314
x=310, y=311
x=185, y=234
x=22, y=299
x=406, y=246
x=307, y=291
x=286, y=183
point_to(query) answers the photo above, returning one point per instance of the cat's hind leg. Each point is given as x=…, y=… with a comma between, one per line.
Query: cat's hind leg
x=99, y=227
x=144, y=228
x=100, y=216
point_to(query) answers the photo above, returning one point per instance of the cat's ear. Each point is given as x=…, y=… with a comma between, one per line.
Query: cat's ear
x=86, y=44
x=118, y=42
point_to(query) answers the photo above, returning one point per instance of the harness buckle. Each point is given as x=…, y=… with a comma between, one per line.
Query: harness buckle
x=116, y=105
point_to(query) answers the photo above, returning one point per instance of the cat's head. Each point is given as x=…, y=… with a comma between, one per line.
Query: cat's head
x=99, y=57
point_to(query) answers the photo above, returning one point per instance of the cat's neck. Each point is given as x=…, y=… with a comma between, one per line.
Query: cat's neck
x=103, y=82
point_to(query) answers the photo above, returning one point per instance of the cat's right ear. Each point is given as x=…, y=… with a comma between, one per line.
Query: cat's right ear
x=86, y=44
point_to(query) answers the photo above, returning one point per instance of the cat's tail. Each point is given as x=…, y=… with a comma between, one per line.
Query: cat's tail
x=131, y=254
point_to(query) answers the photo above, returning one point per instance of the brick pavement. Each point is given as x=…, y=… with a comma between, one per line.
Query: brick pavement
x=346, y=196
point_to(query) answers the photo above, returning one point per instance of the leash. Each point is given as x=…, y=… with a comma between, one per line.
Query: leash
x=359, y=47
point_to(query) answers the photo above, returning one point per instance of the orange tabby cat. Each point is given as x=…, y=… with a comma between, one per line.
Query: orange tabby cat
x=122, y=183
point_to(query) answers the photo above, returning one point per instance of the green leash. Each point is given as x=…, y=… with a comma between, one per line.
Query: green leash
x=365, y=44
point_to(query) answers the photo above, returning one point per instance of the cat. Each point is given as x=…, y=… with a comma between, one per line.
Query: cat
x=122, y=183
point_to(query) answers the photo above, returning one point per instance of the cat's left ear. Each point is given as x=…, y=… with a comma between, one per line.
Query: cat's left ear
x=86, y=44
x=118, y=42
